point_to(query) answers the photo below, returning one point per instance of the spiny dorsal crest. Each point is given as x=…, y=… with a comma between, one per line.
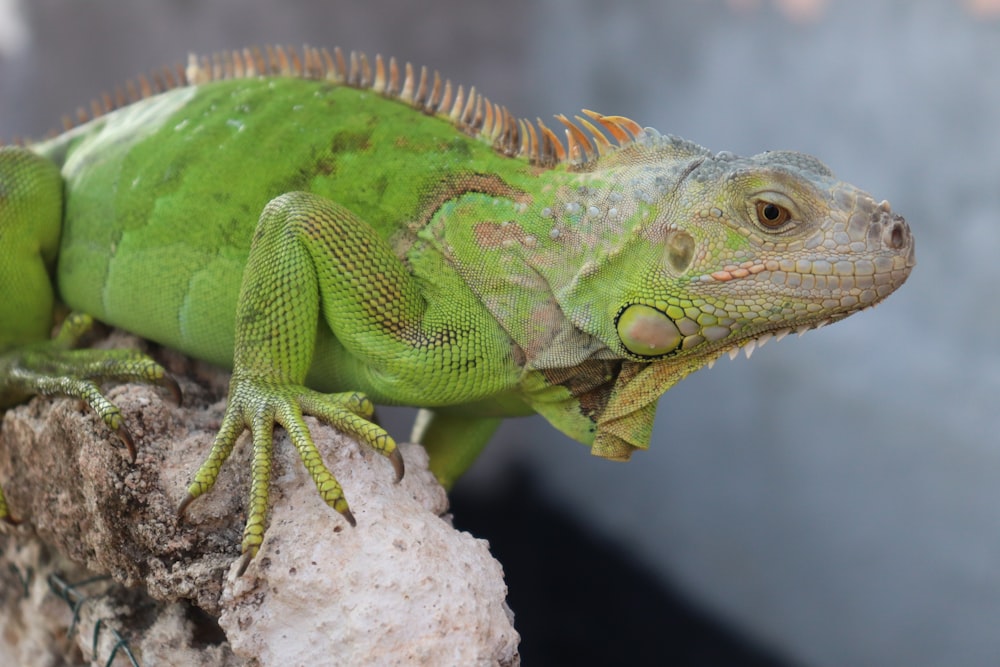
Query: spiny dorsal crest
x=586, y=139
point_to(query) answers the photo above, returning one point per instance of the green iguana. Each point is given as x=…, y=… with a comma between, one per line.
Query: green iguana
x=328, y=224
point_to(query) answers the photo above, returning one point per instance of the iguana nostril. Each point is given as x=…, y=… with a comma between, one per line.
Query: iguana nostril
x=897, y=236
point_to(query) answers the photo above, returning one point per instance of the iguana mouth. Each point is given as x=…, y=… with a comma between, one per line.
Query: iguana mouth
x=750, y=343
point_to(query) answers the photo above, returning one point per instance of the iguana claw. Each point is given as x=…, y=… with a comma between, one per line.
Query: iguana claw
x=397, y=464
x=126, y=438
x=170, y=384
x=182, y=508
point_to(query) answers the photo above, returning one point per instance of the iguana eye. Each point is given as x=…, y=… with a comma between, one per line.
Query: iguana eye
x=771, y=215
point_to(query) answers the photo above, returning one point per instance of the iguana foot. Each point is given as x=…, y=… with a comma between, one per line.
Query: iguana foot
x=52, y=368
x=259, y=405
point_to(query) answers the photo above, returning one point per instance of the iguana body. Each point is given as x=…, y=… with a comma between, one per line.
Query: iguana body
x=320, y=228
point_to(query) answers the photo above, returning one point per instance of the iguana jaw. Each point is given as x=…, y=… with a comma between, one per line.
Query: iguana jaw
x=750, y=342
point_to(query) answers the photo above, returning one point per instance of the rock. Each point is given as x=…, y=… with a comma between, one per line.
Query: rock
x=403, y=587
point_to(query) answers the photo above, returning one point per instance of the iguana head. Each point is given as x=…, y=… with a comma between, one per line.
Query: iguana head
x=723, y=250
x=686, y=255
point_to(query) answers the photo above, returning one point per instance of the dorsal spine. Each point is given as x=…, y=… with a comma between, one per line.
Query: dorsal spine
x=468, y=110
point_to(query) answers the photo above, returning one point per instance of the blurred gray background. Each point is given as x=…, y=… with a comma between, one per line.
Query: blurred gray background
x=837, y=497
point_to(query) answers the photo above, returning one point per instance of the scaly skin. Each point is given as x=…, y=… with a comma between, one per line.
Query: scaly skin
x=377, y=239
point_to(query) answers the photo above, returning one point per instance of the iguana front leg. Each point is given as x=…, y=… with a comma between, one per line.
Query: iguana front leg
x=307, y=253
x=316, y=266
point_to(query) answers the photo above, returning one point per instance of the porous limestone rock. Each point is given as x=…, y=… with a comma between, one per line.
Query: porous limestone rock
x=402, y=588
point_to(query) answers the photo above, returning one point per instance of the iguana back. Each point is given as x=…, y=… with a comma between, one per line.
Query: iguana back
x=183, y=175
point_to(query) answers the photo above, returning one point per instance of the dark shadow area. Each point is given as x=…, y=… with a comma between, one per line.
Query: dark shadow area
x=578, y=600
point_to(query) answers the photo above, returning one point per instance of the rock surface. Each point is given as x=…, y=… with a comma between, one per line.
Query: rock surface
x=403, y=588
